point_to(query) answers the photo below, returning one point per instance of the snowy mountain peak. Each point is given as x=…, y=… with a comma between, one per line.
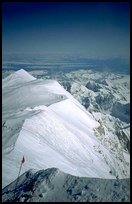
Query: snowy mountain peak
x=43, y=122
x=24, y=74
x=19, y=77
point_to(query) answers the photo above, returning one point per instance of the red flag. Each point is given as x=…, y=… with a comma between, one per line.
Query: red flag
x=23, y=160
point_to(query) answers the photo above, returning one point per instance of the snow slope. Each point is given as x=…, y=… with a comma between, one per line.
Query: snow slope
x=52, y=185
x=107, y=97
x=43, y=122
x=17, y=78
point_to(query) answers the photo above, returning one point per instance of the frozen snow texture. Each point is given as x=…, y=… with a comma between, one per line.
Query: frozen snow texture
x=50, y=128
x=17, y=78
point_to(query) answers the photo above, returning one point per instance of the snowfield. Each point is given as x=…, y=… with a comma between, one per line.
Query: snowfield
x=43, y=122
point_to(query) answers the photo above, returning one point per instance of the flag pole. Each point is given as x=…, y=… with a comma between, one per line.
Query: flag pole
x=22, y=161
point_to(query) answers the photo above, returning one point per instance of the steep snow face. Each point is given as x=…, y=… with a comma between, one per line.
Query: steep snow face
x=107, y=97
x=50, y=128
x=52, y=185
x=17, y=78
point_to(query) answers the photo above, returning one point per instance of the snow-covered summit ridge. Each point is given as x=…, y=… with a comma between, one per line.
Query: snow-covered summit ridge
x=19, y=77
x=24, y=74
x=43, y=122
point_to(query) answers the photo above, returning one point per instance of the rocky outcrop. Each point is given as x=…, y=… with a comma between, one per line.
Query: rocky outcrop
x=93, y=86
x=52, y=185
x=121, y=111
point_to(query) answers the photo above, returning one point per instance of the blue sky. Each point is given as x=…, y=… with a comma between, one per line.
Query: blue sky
x=98, y=29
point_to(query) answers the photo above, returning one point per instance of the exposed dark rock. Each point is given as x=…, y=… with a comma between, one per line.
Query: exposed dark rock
x=93, y=86
x=121, y=111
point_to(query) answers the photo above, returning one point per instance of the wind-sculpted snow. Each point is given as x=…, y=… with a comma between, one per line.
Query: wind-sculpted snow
x=46, y=124
x=17, y=78
x=11, y=128
x=29, y=94
x=52, y=185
